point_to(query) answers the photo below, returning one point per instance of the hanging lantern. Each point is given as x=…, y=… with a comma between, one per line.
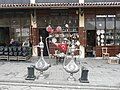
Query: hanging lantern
x=49, y=29
x=58, y=29
x=66, y=25
x=52, y=31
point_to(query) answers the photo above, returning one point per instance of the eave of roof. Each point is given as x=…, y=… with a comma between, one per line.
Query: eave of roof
x=61, y=5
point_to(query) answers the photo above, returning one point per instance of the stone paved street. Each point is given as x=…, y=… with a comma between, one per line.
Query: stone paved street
x=101, y=75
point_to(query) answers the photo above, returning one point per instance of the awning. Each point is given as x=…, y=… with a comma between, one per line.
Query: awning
x=61, y=5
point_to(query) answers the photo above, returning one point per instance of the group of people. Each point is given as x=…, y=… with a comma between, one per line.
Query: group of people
x=26, y=43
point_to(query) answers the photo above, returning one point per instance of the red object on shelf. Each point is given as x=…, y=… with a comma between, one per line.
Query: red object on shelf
x=63, y=47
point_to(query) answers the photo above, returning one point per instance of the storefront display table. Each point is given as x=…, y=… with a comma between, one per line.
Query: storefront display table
x=60, y=57
x=118, y=55
x=13, y=58
x=113, y=60
x=23, y=58
x=3, y=57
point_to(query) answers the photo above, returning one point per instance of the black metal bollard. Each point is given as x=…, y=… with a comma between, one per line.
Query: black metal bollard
x=84, y=75
x=31, y=75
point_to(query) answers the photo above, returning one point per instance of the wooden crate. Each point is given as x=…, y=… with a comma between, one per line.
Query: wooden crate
x=113, y=60
x=23, y=58
x=13, y=58
x=3, y=57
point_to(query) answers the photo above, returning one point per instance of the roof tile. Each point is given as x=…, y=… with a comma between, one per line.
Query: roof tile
x=40, y=5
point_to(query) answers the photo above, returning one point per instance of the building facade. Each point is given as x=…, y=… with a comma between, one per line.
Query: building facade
x=95, y=23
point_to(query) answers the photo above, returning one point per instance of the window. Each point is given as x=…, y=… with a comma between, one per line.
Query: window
x=25, y=28
x=20, y=28
x=110, y=23
x=105, y=25
x=117, y=31
x=100, y=22
x=16, y=24
x=109, y=37
x=118, y=23
x=90, y=23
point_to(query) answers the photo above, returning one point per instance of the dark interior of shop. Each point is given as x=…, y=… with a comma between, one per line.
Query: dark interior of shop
x=44, y=34
x=91, y=39
x=4, y=36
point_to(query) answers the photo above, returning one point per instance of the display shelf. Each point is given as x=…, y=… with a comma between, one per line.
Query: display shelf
x=100, y=37
x=70, y=33
x=109, y=37
x=117, y=37
x=67, y=33
x=105, y=37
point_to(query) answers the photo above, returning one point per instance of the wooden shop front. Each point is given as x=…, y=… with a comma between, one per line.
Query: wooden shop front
x=105, y=24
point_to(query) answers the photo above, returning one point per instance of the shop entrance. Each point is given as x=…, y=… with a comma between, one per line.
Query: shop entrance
x=44, y=34
x=4, y=36
x=91, y=40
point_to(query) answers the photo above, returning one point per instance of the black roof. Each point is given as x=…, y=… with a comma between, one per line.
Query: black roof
x=51, y=1
x=101, y=0
x=37, y=1
x=57, y=1
x=14, y=1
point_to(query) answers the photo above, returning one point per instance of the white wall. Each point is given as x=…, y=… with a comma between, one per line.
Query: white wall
x=82, y=51
x=32, y=1
x=81, y=24
x=81, y=21
x=33, y=19
x=81, y=1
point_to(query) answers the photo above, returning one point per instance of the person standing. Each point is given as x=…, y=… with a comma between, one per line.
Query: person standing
x=13, y=42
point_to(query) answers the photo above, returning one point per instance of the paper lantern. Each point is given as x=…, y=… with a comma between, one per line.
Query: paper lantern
x=58, y=29
x=52, y=31
x=49, y=29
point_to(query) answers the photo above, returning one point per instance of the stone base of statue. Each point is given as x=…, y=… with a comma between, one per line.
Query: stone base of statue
x=84, y=75
x=31, y=75
x=83, y=80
